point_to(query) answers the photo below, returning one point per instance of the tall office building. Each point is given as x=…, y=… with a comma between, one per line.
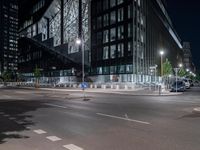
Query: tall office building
x=8, y=35
x=121, y=39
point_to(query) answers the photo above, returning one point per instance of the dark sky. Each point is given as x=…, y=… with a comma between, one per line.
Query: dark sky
x=185, y=16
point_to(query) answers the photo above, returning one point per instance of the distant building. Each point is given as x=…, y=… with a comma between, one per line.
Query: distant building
x=188, y=63
x=121, y=39
x=8, y=35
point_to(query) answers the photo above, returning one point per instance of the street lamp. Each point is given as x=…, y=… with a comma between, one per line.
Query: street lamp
x=80, y=43
x=161, y=62
x=180, y=65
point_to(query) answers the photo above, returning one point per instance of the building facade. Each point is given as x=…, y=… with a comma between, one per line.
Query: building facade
x=188, y=63
x=121, y=39
x=127, y=36
x=8, y=36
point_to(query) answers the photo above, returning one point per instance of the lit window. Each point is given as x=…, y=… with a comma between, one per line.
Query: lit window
x=105, y=36
x=105, y=53
x=113, y=17
x=121, y=50
x=113, y=34
x=120, y=32
x=113, y=51
x=120, y=14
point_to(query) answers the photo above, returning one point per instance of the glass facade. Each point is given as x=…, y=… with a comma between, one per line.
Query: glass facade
x=119, y=36
x=122, y=37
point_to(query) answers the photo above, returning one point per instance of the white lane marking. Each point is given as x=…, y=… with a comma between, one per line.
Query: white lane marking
x=6, y=115
x=53, y=138
x=12, y=118
x=72, y=147
x=126, y=119
x=20, y=122
x=55, y=105
x=39, y=131
x=2, y=113
x=197, y=109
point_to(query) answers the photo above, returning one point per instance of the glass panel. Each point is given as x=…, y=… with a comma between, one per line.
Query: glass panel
x=121, y=50
x=120, y=32
x=99, y=21
x=105, y=70
x=105, y=53
x=130, y=30
x=113, y=34
x=121, y=69
x=113, y=17
x=105, y=4
x=113, y=69
x=129, y=68
x=112, y=3
x=120, y=1
x=105, y=36
x=130, y=49
x=120, y=14
x=106, y=20
x=113, y=51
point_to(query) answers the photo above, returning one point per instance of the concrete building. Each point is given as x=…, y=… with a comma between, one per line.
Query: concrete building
x=121, y=39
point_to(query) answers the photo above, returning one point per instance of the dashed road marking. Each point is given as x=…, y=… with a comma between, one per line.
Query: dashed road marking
x=72, y=147
x=55, y=105
x=2, y=113
x=39, y=131
x=121, y=118
x=53, y=138
x=6, y=115
x=12, y=118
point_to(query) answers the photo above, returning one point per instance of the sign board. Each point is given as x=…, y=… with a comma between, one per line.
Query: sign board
x=84, y=85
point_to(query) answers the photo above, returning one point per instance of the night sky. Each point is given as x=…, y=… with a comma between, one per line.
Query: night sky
x=185, y=16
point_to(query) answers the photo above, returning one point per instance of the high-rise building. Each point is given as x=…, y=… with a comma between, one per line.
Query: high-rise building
x=8, y=35
x=121, y=39
x=188, y=63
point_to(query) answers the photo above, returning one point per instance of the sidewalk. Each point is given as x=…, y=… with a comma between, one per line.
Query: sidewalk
x=136, y=92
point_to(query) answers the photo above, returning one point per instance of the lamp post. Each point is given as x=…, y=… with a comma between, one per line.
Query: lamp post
x=161, y=62
x=80, y=43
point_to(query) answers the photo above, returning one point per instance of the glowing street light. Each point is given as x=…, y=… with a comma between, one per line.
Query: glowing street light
x=180, y=65
x=161, y=62
x=78, y=41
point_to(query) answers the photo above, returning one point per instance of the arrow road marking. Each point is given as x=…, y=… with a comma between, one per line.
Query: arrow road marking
x=121, y=118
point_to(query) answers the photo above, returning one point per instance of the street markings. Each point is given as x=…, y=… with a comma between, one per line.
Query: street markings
x=12, y=118
x=72, y=147
x=53, y=138
x=121, y=118
x=55, y=105
x=39, y=131
x=6, y=115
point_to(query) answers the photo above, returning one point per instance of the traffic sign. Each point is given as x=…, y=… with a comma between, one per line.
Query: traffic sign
x=84, y=85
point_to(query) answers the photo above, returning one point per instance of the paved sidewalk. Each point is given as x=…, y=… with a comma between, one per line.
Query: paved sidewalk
x=137, y=92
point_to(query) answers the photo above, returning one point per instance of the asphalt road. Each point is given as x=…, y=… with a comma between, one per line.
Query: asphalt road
x=53, y=120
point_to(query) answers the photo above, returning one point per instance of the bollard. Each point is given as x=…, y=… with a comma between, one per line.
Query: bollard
x=117, y=87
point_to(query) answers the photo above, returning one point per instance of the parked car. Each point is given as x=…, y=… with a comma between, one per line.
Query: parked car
x=178, y=86
x=187, y=83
